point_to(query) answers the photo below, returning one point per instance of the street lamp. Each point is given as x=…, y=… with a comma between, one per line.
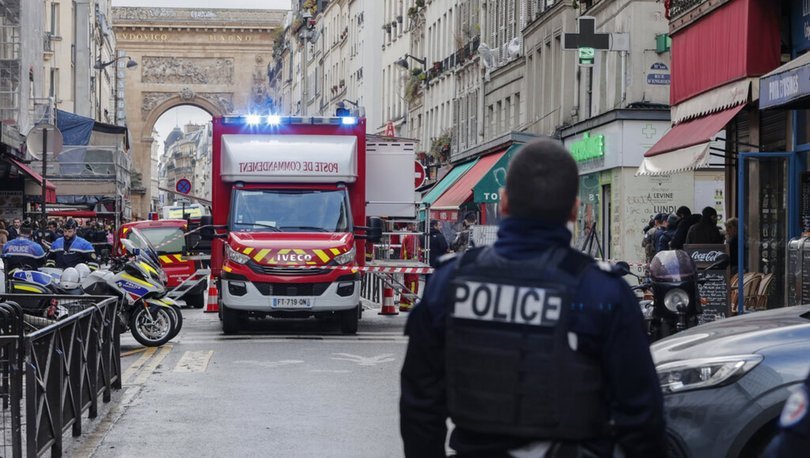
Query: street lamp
x=99, y=65
x=403, y=62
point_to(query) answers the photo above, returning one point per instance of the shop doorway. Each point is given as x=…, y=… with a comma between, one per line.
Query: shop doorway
x=766, y=210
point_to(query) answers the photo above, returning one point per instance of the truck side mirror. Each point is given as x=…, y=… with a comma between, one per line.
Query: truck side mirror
x=207, y=232
x=374, y=231
x=192, y=240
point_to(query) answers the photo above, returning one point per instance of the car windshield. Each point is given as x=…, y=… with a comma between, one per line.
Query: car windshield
x=290, y=211
x=165, y=239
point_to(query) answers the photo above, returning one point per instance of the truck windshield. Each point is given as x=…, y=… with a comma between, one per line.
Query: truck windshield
x=165, y=239
x=290, y=211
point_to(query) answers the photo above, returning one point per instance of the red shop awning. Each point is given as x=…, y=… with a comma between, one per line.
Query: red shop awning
x=686, y=146
x=50, y=188
x=462, y=190
x=73, y=213
x=738, y=40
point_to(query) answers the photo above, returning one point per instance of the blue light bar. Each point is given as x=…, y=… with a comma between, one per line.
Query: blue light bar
x=253, y=120
x=273, y=120
x=348, y=120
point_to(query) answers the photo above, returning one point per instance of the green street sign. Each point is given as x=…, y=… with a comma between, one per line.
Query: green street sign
x=588, y=148
x=586, y=56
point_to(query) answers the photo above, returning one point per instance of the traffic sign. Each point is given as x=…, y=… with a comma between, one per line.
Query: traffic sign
x=419, y=174
x=183, y=186
x=44, y=137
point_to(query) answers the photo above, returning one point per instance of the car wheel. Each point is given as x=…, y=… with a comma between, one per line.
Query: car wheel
x=232, y=320
x=755, y=447
x=349, y=320
x=196, y=301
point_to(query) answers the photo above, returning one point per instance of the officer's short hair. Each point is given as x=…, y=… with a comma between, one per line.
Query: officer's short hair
x=542, y=181
x=25, y=228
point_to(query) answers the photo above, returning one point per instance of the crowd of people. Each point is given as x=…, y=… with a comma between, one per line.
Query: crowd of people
x=673, y=231
x=60, y=244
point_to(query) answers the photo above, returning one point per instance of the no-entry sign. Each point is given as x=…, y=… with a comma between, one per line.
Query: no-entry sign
x=419, y=174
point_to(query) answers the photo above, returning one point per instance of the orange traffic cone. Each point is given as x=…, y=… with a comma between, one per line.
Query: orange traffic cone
x=213, y=305
x=388, y=307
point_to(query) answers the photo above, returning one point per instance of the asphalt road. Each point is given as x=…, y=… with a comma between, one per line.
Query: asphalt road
x=281, y=389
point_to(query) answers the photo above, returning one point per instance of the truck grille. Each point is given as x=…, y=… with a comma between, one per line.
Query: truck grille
x=284, y=270
x=292, y=289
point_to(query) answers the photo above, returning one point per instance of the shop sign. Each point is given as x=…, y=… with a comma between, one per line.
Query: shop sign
x=588, y=148
x=784, y=87
x=659, y=75
x=800, y=16
x=715, y=287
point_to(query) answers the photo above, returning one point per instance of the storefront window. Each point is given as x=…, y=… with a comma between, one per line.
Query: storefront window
x=765, y=229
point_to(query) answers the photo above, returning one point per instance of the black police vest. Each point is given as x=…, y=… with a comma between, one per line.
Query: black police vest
x=509, y=365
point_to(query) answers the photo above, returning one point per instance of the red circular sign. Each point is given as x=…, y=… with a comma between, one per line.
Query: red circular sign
x=419, y=174
x=183, y=186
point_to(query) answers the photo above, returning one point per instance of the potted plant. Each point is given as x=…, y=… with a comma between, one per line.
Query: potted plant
x=420, y=3
x=387, y=27
x=399, y=19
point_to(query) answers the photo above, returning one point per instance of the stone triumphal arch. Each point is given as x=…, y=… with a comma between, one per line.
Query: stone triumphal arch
x=215, y=59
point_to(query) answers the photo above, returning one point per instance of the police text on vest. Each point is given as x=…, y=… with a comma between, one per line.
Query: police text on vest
x=507, y=303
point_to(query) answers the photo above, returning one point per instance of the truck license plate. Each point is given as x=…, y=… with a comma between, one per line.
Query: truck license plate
x=292, y=302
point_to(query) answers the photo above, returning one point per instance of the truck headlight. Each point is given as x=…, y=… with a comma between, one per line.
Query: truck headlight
x=236, y=256
x=675, y=299
x=694, y=374
x=346, y=257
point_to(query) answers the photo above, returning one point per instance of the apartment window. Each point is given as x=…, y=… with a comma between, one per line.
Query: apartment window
x=54, y=88
x=507, y=115
x=517, y=120
x=54, y=19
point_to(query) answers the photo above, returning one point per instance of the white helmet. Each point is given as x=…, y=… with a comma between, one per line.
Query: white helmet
x=83, y=270
x=70, y=279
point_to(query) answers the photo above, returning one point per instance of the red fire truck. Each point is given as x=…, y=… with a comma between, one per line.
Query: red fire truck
x=289, y=197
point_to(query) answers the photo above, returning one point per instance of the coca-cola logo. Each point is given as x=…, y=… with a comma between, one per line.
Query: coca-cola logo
x=706, y=256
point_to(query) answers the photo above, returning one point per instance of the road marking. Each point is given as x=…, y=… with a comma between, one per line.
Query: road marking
x=149, y=369
x=271, y=364
x=365, y=361
x=331, y=371
x=136, y=366
x=194, y=361
x=132, y=352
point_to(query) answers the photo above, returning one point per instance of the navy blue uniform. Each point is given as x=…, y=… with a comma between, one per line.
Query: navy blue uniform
x=609, y=328
x=23, y=252
x=794, y=438
x=69, y=253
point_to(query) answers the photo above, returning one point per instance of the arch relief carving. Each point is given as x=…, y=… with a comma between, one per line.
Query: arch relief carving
x=187, y=70
x=151, y=100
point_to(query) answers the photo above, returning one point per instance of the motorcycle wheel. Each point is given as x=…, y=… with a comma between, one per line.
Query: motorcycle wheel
x=151, y=327
x=178, y=320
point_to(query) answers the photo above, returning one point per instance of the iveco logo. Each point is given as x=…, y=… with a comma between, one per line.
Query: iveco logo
x=294, y=257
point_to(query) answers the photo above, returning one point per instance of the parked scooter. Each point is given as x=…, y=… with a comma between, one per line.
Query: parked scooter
x=676, y=304
x=152, y=318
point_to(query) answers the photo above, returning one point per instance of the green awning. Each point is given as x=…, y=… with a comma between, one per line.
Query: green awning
x=486, y=191
x=448, y=180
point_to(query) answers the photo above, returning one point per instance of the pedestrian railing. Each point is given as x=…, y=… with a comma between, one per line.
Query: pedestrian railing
x=57, y=370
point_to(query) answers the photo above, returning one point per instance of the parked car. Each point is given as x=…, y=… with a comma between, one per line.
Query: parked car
x=725, y=382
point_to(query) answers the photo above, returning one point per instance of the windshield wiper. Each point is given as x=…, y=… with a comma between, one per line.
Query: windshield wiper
x=275, y=229
x=307, y=228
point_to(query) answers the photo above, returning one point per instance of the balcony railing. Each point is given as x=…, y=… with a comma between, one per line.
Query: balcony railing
x=679, y=7
x=89, y=164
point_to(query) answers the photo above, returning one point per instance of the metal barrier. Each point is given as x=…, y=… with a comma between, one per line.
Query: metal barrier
x=61, y=370
x=371, y=287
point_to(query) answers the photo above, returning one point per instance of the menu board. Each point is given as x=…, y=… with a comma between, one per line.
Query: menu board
x=11, y=205
x=715, y=284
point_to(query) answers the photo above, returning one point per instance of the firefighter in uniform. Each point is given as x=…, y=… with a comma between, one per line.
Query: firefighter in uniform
x=71, y=250
x=793, y=440
x=22, y=252
x=530, y=347
x=410, y=251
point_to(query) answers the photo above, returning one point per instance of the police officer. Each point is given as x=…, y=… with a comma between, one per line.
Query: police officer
x=22, y=252
x=70, y=249
x=530, y=347
x=794, y=436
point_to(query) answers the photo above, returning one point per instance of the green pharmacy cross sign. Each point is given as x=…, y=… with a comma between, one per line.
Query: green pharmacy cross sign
x=586, y=56
x=588, y=148
x=586, y=41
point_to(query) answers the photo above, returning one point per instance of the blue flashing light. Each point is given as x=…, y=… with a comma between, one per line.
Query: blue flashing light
x=348, y=120
x=253, y=120
x=273, y=120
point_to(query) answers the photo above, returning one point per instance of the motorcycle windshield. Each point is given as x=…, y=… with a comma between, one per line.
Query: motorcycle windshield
x=672, y=266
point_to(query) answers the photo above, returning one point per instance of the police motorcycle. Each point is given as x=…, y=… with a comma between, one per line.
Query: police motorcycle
x=675, y=303
x=47, y=282
x=151, y=318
